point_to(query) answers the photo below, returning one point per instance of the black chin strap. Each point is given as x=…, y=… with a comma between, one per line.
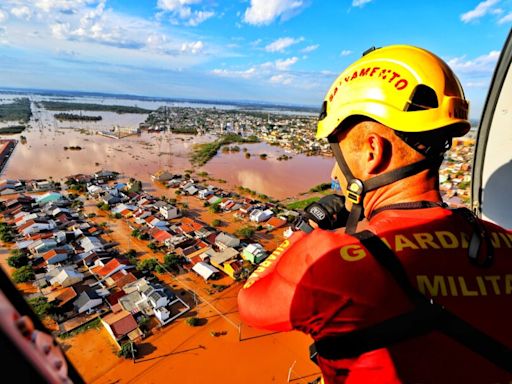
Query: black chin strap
x=356, y=189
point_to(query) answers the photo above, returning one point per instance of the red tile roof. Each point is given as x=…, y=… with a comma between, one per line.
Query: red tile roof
x=121, y=323
x=19, y=219
x=54, y=252
x=125, y=212
x=108, y=268
x=189, y=225
x=276, y=222
x=122, y=279
x=26, y=225
x=114, y=297
x=63, y=296
x=39, y=236
x=149, y=219
x=161, y=235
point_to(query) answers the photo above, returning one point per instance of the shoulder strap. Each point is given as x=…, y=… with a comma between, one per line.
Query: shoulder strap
x=479, y=236
x=426, y=317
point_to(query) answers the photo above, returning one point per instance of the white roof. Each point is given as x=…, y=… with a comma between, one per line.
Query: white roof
x=255, y=247
x=205, y=270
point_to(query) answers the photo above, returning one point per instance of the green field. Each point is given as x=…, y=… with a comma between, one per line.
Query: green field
x=74, y=117
x=301, y=204
x=202, y=153
x=18, y=110
x=12, y=129
x=62, y=106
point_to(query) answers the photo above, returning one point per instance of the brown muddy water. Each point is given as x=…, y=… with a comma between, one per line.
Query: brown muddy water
x=43, y=155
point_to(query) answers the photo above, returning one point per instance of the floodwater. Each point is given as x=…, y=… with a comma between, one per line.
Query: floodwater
x=43, y=155
x=276, y=178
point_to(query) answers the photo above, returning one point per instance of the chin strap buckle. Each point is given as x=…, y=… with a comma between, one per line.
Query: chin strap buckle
x=355, y=190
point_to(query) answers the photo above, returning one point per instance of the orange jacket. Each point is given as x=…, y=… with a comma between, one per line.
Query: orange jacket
x=326, y=283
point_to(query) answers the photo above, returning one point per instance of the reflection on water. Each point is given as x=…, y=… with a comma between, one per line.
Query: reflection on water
x=43, y=155
x=275, y=178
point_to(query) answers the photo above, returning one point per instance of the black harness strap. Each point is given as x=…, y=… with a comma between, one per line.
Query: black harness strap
x=427, y=316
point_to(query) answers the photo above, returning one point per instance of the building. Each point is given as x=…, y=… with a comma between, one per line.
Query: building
x=121, y=325
x=259, y=215
x=87, y=300
x=55, y=256
x=169, y=212
x=205, y=270
x=66, y=277
x=161, y=176
x=224, y=240
x=254, y=253
x=91, y=243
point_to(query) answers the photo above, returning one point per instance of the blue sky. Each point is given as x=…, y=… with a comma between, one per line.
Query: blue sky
x=286, y=51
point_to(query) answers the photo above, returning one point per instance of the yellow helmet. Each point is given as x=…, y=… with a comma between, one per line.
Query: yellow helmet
x=406, y=88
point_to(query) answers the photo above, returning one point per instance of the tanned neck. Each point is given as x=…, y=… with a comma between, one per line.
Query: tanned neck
x=414, y=188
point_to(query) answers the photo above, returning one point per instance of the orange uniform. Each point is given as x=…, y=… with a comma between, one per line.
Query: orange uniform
x=325, y=283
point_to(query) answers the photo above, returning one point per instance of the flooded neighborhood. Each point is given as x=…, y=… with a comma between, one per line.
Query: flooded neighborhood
x=134, y=232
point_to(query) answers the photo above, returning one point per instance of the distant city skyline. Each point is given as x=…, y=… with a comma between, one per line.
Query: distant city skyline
x=276, y=51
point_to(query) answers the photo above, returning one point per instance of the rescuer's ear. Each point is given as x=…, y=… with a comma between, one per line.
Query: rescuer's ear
x=377, y=154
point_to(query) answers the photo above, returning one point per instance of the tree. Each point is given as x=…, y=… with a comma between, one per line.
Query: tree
x=135, y=233
x=6, y=233
x=144, y=323
x=215, y=208
x=17, y=259
x=147, y=265
x=246, y=232
x=136, y=186
x=118, y=215
x=23, y=274
x=131, y=253
x=41, y=306
x=216, y=223
x=172, y=261
x=153, y=246
x=193, y=321
x=128, y=350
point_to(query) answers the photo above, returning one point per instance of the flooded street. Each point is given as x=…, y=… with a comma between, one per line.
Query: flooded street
x=44, y=155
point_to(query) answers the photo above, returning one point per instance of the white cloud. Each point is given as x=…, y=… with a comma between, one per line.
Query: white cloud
x=264, y=12
x=476, y=84
x=101, y=34
x=283, y=65
x=247, y=74
x=484, y=64
x=180, y=10
x=198, y=17
x=346, y=52
x=3, y=16
x=360, y=3
x=282, y=79
x=481, y=10
x=193, y=47
x=22, y=12
x=69, y=6
x=505, y=19
x=310, y=48
x=60, y=30
x=281, y=44
x=174, y=5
